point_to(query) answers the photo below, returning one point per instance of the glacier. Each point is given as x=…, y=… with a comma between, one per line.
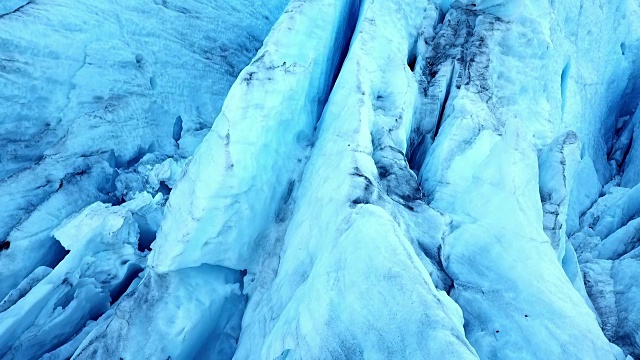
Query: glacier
x=320, y=179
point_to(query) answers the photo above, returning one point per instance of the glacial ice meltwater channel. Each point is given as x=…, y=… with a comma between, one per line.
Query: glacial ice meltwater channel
x=319, y=179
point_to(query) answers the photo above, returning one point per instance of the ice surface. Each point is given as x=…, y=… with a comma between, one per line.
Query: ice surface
x=585, y=191
x=10, y=6
x=503, y=297
x=308, y=304
x=242, y=170
x=631, y=175
x=558, y=164
x=186, y=314
x=608, y=249
x=66, y=351
x=43, y=203
x=102, y=261
x=88, y=88
x=615, y=295
x=482, y=170
x=76, y=73
x=385, y=179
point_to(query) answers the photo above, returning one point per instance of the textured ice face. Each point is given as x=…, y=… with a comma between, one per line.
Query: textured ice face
x=385, y=179
x=259, y=139
x=51, y=306
x=87, y=78
x=89, y=88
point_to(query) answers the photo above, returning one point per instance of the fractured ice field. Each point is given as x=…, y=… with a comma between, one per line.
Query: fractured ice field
x=319, y=179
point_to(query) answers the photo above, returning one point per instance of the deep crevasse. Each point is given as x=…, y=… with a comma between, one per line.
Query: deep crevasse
x=386, y=179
